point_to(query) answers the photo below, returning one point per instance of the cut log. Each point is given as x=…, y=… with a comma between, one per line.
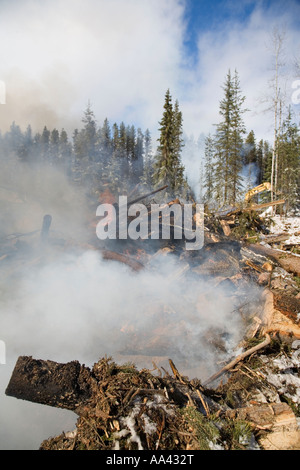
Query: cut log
x=288, y=261
x=276, y=322
x=225, y=227
x=277, y=419
x=256, y=267
x=288, y=305
x=50, y=383
x=257, y=207
x=276, y=238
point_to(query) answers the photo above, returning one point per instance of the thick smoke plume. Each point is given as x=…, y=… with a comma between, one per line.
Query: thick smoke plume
x=61, y=301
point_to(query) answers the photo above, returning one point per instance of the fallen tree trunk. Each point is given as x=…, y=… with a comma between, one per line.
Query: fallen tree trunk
x=288, y=261
x=277, y=238
x=256, y=207
x=50, y=383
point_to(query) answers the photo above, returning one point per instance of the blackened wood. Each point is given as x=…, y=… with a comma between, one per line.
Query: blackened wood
x=46, y=227
x=50, y=383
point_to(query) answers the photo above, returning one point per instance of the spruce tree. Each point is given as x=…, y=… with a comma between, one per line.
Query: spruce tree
x=288, y=154
x=250, y=160
x=229, y=143
x=168, y=168
x=65, y=152
x=105, y=143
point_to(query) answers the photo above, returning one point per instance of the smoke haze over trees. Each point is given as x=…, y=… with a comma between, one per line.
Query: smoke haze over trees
x=101, y=157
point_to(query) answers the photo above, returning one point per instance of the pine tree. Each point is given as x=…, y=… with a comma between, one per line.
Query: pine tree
x=168, y=168
x=25, y=154
x=267, y=161
x=45, y=144
x=65, y=152
x=229, y=142
x=54, y=146
x=105, y=143
x=238, y=129
x=288, y=154
x=178, y=143
x=138, y=161
x=250, y=160
x=250, y=153
x=88, y=135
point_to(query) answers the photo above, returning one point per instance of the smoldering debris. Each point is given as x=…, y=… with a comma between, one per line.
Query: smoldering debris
x=65, y=298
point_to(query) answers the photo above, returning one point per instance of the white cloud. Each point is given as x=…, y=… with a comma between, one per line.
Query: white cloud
x=122, y=56
x=241, y=46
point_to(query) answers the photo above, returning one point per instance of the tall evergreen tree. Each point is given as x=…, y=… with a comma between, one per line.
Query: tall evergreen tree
x=288, y=154
x=168, y=166
x=54, y=146
x=25, y=153
x=178, y=143
x=250, y=160
x=45, y=144
x=105, y=142
x=229, y=142
x=267, y=161
x=88, y=135
x=65, y=152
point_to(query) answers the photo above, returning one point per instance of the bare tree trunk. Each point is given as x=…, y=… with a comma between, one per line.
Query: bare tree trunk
x=277, y=39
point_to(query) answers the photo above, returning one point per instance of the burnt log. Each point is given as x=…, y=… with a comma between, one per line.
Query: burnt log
x=288, y=261
x=46, y=227
x=50, y=383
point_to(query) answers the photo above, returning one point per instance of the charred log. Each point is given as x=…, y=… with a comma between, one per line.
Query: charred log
x=50, y=383
x=46, y=227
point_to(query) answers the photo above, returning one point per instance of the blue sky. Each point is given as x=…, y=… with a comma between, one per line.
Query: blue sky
x=204, y=16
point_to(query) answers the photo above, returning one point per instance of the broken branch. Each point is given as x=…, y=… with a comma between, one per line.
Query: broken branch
x=239, y=358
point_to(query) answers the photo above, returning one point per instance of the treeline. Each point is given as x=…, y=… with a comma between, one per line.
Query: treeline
x=119, y=157
x=98, y=157
x=116, y=157
x=234, y=162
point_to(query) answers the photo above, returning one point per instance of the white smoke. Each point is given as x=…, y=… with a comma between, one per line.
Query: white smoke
x=61, y=301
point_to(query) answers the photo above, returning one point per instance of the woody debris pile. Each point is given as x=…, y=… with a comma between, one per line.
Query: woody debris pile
x=251, y=401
